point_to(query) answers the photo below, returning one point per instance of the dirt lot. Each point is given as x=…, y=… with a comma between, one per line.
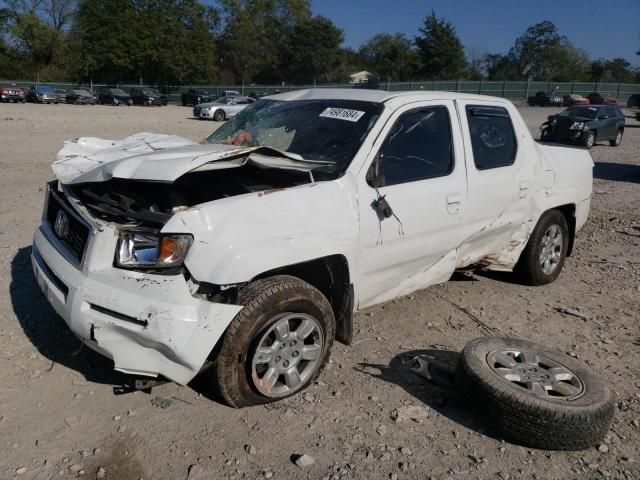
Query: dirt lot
x=59, y=416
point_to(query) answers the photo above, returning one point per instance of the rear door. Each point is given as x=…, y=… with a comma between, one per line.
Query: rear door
x=422, y=180
x=500, y=175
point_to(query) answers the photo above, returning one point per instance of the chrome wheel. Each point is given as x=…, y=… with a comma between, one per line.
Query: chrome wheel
x=619, y=138
x=590, y=140
x=287, y=355
x=533, y=371
x=551, y=249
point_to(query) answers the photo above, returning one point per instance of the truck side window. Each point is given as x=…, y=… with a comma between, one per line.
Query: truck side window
x=419, y=146
x=492, y=137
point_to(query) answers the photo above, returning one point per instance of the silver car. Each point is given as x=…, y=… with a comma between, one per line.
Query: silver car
x=222, y=108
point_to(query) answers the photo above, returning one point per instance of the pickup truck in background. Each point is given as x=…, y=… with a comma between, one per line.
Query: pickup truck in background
x=544, y=99
x=253, y=251
x=194, y=96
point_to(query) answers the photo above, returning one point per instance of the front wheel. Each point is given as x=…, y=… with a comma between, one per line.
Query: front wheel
x=589, y=140
x=277, y=344
x=543, y=258
x=219, y=116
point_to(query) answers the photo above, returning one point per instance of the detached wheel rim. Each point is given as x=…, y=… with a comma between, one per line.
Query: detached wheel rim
x=551, y=249
x=287, y=354
x=536, y=373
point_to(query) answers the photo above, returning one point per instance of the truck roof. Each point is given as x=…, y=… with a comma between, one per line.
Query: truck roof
x=377, y=96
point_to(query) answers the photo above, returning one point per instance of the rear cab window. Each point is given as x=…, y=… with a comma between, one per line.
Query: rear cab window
x=492, y=135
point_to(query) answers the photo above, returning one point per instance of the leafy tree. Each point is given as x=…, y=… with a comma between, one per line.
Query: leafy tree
x=541, y=53
x=391, y=57
x=313, y=51
x=254, y=36
x=439, y=49
x=614, y=70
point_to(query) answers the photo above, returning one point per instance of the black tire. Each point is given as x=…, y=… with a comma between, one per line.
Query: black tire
x=219, y=116
x=544, y=135
x=263, y=300
x=529, y=269
x=589, y=140
x=540, y=421
x=617, y=140
x=146, y=103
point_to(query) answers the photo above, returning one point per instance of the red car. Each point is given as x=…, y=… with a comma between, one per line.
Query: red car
x=11, y=93
x=574, y=99
x=601, y=99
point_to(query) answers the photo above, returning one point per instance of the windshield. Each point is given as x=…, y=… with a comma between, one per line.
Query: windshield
x=329, y=131
x=117, y=91
x=44, y=89
x=151, y=93
x=224, y=100
x=582, y=112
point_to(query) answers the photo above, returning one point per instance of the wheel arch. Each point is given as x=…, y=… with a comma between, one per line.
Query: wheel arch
x=329, y=274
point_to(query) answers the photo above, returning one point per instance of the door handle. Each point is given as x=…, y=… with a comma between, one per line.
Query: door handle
x=524, y=188
x=453, y=203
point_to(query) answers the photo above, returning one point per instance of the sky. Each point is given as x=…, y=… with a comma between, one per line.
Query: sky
x=603, y=28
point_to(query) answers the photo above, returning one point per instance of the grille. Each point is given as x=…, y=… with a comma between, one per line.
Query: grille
x=196, y=111
x=75, y=235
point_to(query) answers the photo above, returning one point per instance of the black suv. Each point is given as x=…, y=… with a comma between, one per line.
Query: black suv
x=147, y=96
x=585, y=125
x=195, y=96
x=545, y=99
x=114, y=96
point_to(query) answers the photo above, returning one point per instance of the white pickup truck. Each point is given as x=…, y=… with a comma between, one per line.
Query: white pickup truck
x=254, y=249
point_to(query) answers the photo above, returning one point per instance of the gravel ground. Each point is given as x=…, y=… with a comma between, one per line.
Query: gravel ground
x=59, y=417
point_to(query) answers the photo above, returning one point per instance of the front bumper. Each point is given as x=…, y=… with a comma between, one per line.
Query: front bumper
x=148, y=324
x=9, y=97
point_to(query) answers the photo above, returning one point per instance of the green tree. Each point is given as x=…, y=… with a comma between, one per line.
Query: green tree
x=615, y=70
x=542, y=53
x=254, y=36
x=439, y=50
x=391, y=57
x=163, y=41
x=313, y=51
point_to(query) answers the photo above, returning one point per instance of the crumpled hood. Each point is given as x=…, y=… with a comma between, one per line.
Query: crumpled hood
x=159, y=158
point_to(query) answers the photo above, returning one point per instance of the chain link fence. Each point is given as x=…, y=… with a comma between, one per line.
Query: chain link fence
x=512, y=90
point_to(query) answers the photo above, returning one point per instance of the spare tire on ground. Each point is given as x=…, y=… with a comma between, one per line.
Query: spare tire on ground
x=534, y=395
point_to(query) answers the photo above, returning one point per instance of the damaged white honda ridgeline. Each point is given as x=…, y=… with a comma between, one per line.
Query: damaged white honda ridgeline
x=253, y=251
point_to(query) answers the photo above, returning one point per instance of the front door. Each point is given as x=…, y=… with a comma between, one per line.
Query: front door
x=411, y=203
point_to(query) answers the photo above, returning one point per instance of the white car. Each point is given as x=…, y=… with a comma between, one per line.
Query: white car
x=255, y=250
x=222, y=109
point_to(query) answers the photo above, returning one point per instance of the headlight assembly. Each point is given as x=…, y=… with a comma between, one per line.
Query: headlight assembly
x=577, y=126
x=150, y=250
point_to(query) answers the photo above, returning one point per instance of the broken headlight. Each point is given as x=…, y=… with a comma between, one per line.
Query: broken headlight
x=150, y=250
x=577, y=126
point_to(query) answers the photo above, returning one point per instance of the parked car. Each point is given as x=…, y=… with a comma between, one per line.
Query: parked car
x=601, y=99
x=574, y=99
x=633, y=100
x=544, y=99
x=195, y=96
x=41, y=94
x=254, y=250
x=80, y=97
x=61, y=96
x=222, y=108
x=11, y=93
x=585, y=125
x=147, y=97
x=114, y=96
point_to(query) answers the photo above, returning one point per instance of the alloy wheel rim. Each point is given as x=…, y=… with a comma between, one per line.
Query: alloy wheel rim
x=536, y=373
x=287, y=354
x=551, y=249
x=590, y=141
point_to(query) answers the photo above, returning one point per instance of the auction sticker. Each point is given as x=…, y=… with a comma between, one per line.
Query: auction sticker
x=342, y=114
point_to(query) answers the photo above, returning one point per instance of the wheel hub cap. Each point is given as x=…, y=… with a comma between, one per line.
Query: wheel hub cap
x=551, y=249
x=535, y=372
x=287, y=354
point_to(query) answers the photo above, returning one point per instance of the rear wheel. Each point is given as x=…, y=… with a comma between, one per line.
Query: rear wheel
x=277, y=344
x=543, y=258
x=617, y=140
